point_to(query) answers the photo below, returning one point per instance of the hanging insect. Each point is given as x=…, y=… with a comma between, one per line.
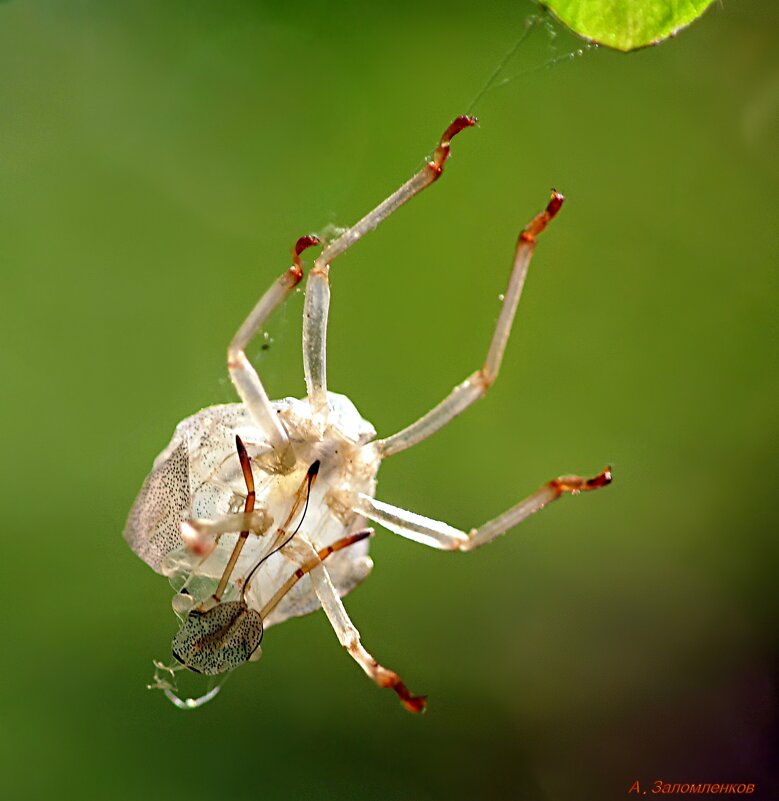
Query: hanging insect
x=205, y=515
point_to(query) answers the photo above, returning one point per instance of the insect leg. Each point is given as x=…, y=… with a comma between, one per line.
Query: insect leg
x=317, y=289
x=244, y=376
x=347, y=633
x=315, y=312
x=440, y=535
x=258, y=522
x=202, y=536
x=477, y=384
x=307, y=567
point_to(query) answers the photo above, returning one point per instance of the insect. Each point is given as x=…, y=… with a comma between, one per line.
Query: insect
x=256, y=511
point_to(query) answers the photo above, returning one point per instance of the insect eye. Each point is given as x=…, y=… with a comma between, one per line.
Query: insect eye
x=219, y=639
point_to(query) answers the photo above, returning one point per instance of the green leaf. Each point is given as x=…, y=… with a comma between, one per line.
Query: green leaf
x=626, y=24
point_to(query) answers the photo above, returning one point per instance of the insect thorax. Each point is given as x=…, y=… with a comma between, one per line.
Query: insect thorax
x=198, y=476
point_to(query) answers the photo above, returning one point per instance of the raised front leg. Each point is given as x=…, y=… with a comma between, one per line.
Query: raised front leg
x=477, y=384
x=443, y=536
x=244, y=376
x=317, y=288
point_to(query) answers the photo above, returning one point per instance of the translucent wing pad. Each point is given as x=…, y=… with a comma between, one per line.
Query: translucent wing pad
x=153, y=529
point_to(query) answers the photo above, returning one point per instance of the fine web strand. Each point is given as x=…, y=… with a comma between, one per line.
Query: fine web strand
x=574, y=54
x=538, y=21
x=530, y=23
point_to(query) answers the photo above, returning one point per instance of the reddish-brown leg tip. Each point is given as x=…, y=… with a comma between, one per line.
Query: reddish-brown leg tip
x=603, y=479
x=555, y=203
x=458, y=124
x=540, y=221
x=413, y=703
x=442, y=151
x=576, y=484
x=416, y=705
x=308, y=241
x=302, y=244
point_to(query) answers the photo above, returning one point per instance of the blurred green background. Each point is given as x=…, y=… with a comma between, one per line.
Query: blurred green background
x=157, y=161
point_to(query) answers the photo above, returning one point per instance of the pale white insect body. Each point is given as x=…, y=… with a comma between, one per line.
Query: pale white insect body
x=198, y=476
x=256, y=510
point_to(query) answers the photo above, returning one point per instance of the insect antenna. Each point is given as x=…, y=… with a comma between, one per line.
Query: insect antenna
x=309, y=482
x=246, y=469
